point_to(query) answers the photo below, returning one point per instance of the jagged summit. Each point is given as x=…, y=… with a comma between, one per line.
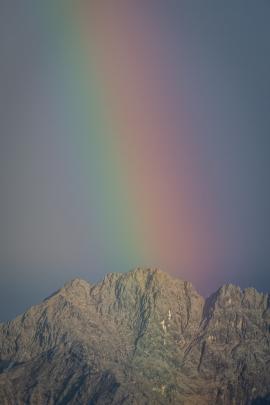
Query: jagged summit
x=76, y=284
x=141, y=337
x=143, y=276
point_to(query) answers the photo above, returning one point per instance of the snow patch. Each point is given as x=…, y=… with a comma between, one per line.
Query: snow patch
x=164, y=327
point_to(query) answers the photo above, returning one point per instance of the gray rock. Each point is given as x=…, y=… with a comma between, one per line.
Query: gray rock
x=141, y=337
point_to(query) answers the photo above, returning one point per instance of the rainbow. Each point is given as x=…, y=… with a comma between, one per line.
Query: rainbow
x=135, y=141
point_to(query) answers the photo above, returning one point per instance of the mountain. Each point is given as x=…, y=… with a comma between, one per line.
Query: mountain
x=141, y=337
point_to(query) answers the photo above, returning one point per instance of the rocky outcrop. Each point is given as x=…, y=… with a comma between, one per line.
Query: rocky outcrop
x=138, y=338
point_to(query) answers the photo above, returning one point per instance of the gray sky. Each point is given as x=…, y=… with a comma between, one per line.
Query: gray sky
x=48, y=218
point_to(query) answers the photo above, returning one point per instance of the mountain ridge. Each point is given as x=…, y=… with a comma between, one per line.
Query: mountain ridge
x=135, y=338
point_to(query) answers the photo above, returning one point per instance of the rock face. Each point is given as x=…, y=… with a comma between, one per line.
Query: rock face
x=138, y=338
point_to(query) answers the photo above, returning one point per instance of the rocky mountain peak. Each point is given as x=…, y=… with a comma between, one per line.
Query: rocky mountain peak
x=141, y=337
x=142, y=277
x=77, y=283
x=76, y=286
